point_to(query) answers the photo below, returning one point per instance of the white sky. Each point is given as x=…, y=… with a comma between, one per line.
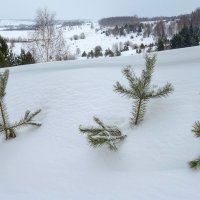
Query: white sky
x=93, y=9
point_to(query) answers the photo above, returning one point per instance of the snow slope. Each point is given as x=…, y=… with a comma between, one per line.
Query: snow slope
x=55, y=160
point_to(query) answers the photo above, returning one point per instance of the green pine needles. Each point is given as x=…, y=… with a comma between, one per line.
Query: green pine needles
x=9, y=129
x=103, y=134
x=196, y=130
x=140, y=89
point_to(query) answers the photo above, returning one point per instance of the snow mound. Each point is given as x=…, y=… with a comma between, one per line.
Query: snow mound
x=55, y=160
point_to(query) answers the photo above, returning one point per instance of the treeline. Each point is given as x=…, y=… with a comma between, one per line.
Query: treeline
x=186, y=32
x=189, y=20
x=73, y=23
x=119, y=21
x=159, y=27
x=169, y=28
x=161, y=18
x=182, y=20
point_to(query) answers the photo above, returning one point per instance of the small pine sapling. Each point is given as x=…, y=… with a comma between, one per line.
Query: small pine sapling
x=140, y=89
x=9, y=129
x=103, y=134
x=196, y=130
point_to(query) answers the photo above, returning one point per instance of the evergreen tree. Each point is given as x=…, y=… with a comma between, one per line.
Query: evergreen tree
x=7, y=57
x=90, y=54
x=3, y=46
x=3, y=61
x=103, y=134
x=196, y=130
x=109, y=53
x=160, y=45
x=84, y=54
x=139, y=28
x=9, y=129
x=142, y=46
x=12, y=58
x=98, y=51
x=4, y=51
x=140, y=89
x=126, y=48
x=25, y=58
x=117, y=53
x=187, y=37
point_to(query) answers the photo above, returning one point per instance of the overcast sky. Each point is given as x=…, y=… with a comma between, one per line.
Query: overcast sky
x=96, y=9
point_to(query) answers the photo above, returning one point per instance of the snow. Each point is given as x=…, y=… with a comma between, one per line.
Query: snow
x=15, y=34
x=55, y=160
x=93, y=37
x=15, y=22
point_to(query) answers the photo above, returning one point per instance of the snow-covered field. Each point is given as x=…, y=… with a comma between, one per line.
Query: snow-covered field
x=15, y=22
x=95, y=38
x=92, y=39
x=55, y=160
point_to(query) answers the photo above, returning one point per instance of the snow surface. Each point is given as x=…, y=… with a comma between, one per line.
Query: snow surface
x=55, y=160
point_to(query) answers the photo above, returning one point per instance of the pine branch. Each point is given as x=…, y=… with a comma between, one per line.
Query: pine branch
x=129, y=74
x=4, y=113
x=104, y=134
x=161, y=92
x=5, y=126
x=27, y=120
x=147, y=73
x=90, y=130
x=3, y=82
x=99, y=122
x=1, y=127
x=196, y=128
x=195, y=164
x=122, y=90
x=150, y=61
x=113, y=130
x=96, y=142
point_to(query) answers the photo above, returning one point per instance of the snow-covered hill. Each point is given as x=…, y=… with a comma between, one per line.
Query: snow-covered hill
x=93, y=37
x=55, y=160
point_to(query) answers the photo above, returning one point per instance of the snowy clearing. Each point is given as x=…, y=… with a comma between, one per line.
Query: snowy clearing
x=55, y=160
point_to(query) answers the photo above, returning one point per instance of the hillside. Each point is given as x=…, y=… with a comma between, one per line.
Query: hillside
x=55, y=160
x=93, y=37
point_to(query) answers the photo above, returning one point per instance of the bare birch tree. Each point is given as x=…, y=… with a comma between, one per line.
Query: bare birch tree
x=47, y=41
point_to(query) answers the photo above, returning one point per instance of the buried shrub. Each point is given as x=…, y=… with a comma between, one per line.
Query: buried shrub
x=103, y=134
x=7, y=128
x=140, y=89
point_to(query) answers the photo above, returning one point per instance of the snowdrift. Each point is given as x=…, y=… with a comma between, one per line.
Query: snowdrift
x=55, y=160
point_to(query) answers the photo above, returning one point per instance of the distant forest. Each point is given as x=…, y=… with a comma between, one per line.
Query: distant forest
x=194, y=18
x=159, y=27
